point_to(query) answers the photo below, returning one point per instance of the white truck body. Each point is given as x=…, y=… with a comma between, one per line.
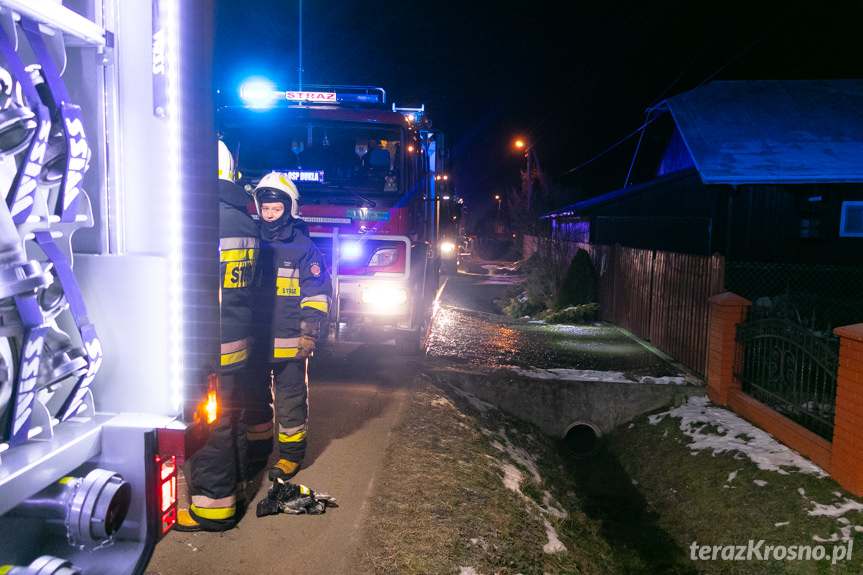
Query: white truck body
x=90, y=448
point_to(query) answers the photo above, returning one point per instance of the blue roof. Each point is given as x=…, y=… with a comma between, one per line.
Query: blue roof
x=773, y=131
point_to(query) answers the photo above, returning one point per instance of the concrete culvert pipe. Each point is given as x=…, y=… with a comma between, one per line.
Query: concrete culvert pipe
x=582, y=438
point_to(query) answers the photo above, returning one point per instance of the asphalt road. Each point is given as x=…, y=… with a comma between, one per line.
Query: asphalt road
x=356, y=393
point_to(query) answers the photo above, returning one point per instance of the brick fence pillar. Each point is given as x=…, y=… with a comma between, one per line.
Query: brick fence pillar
x=726, y=311
x=847, y=457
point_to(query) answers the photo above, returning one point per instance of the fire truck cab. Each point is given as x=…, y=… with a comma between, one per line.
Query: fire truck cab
x=365, y=174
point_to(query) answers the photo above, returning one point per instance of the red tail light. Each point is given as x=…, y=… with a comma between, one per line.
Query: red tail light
x=166, y=481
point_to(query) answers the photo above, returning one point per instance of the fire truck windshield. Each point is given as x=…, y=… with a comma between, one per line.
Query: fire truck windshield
x=322, y=157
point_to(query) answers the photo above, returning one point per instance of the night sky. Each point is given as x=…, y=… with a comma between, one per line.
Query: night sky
x=574, y=77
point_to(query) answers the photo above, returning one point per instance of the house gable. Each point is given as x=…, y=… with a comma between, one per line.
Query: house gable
x=677, y=156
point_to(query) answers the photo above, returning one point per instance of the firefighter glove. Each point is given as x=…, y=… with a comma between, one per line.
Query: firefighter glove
x=293, y=499
x=310, y=328
x=305, y=346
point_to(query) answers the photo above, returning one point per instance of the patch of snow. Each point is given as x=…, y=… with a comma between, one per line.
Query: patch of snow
x=476, y=402
x=759, y=482
x=511, y=476
x=442, y=402
x=836, y=510
x=781, y=524
x=498, y=267
x=550, y=508
x=570, y=329
x=739, y=436
x=731, y=476
x=518, y=454
x=675, y=380
x=554, y=544
x=467, y=571
x=844, y=536
x=593, y=375
x=572, y=374
x=501, y=281
x=478, y=542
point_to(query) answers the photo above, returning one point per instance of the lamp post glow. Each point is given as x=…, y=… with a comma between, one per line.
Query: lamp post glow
x=498, y=202
x=527, y=154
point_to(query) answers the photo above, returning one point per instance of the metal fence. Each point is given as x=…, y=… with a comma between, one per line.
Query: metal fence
x=817, y=296
x=789, y=368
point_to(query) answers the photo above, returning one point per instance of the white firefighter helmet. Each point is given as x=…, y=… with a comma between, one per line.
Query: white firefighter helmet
x=226, y=163
x=279, y=183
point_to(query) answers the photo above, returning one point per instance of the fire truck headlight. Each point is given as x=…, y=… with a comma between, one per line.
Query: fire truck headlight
x=383, y=257
x=384, y=295
x=447, y=247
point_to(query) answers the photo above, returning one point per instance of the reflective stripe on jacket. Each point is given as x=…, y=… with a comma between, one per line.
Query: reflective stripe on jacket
x=296, y=283
x=239, y=245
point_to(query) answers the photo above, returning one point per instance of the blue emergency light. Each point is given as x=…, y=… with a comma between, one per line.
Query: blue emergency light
x=259, y=94
x=351, y=251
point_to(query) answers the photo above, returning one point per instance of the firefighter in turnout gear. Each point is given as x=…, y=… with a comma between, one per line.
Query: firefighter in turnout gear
x=294, y=298
x=214, y=472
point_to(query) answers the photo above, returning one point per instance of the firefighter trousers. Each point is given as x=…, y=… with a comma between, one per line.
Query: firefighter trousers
x=245, y=413
x=212, y=473
x=291, y=390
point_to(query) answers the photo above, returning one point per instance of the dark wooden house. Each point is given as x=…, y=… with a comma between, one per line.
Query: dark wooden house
x=758, y=171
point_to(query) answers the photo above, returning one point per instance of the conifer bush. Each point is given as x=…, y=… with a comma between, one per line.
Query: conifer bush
x=555, y=297
x=579, y=286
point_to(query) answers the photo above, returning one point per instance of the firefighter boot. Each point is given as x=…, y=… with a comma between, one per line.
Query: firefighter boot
x=196, y=519
x=284, y=470
x=192, y=516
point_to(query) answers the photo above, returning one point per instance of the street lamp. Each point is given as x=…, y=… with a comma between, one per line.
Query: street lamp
x=528, y=152
x=498, y=202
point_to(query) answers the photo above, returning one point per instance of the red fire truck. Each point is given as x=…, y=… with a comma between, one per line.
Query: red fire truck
x=365, y=171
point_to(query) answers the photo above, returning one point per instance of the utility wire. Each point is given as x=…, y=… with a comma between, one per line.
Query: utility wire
x=610, y=148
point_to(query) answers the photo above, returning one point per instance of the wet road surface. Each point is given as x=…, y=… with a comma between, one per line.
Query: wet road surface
x=468, y=329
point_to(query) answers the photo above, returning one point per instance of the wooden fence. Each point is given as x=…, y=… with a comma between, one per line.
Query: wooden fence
x=659, y=296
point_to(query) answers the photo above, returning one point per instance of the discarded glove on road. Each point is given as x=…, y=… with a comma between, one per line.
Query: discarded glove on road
x=294, y=499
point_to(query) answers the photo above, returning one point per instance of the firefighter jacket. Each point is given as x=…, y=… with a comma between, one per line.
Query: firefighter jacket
x=238, y=247
x=295, y=287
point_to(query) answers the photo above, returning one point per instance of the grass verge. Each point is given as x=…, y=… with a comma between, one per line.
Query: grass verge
x=724, y=499
x=468, y=489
